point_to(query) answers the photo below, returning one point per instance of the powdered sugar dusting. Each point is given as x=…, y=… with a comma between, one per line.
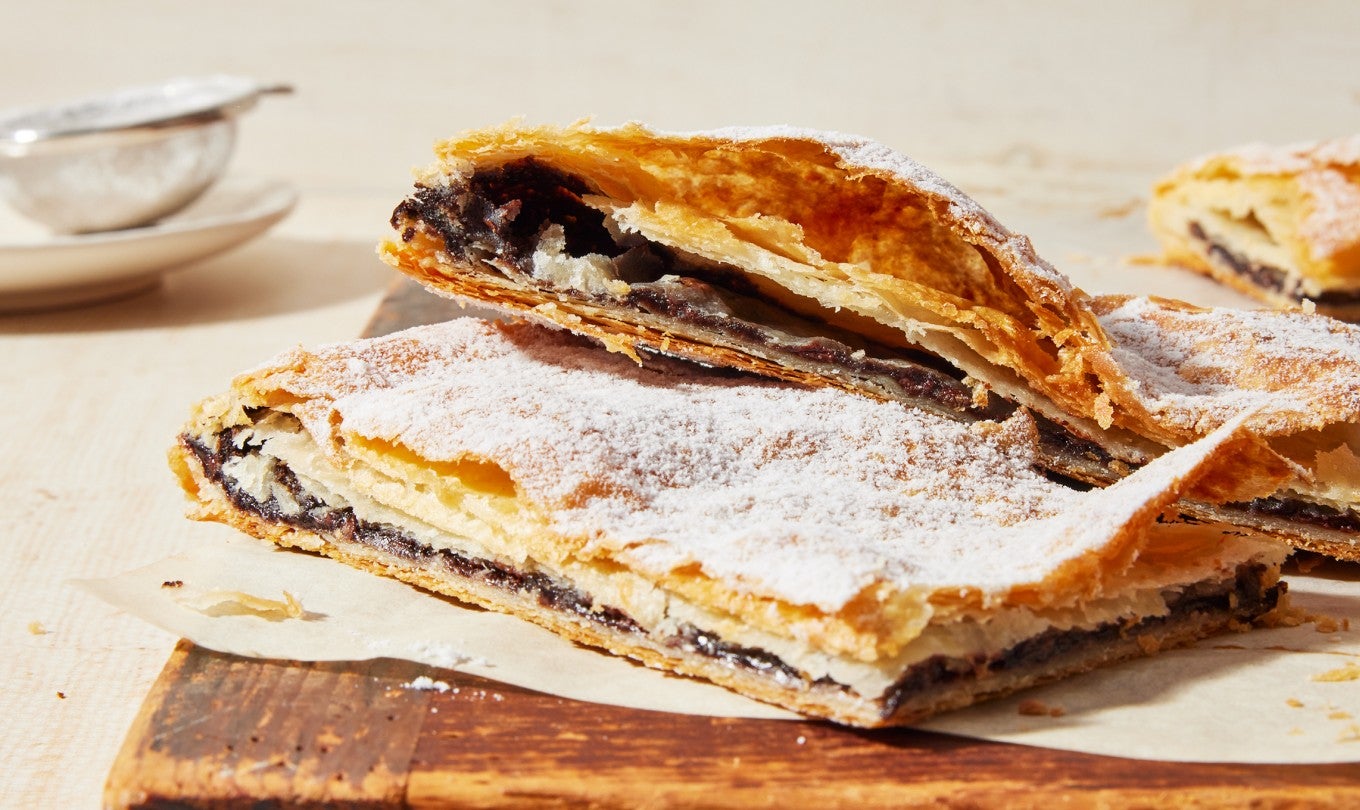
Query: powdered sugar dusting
x=1327, y=172
x=1196, y=368
x=805, y=495
x=1259, y=158
x=1332, y=223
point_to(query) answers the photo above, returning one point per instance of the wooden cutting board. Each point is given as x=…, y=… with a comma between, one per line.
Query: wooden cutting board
x=225, y=732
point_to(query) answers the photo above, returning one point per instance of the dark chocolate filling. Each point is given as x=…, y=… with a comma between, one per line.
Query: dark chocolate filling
x=496, y=217
x=1265, y=276
x=326, y=520
x=1249, y=596
x=1298, y=511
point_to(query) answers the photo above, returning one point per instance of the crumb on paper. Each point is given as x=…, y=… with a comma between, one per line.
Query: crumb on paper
x=1121, y=210
x=1287, y=615
x=1141, y=259
x=1339, y=715
x=435, y=653
x=239, y=603
x=36, y=628
x=61, y=695
x=1036, y=708
x=1350, y=672
x=1294, y=703
x=1329, y=624
x=427, y=684
x=173, y=583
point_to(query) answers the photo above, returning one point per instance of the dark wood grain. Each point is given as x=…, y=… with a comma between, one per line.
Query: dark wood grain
x=222, y=731
x=498, y=746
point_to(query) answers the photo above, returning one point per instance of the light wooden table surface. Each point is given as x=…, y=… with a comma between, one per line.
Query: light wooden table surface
x=1053, y=114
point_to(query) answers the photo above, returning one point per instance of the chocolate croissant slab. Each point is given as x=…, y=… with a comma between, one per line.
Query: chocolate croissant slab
x=1280, y=223
x=841, y=556
x=834, y=262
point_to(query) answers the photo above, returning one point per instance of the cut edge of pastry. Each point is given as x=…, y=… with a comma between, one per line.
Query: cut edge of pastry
x=930, y=686
x=246, y=460
x=1276, y=223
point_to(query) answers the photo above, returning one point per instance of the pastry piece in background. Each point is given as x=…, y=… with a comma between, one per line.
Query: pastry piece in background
x=841, y=556
x=835, y=262
x=1281, y=224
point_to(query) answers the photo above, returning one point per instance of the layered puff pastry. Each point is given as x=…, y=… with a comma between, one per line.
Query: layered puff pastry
x=835, y=262
x=845, y=557
x=1281, y=223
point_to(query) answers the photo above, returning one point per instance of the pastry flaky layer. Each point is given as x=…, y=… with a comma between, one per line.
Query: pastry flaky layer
x=833, y=261
x=1281, y=223
x=845, y=557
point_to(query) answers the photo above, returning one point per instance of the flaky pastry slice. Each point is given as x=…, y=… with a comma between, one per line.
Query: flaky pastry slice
x=833, y=261
x=1280, y=223
x=838, y=555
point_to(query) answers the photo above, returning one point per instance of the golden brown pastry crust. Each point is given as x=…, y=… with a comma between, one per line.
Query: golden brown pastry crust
x=1278, y=223
x=841, y=220
x=846, y=231
x=385, y=429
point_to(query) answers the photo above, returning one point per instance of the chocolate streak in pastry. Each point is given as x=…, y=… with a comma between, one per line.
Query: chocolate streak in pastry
x=841, y=556
x=832, y=261
x=1279, y=223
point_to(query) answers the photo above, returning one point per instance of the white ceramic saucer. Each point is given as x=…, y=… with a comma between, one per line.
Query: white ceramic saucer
x=39, y=270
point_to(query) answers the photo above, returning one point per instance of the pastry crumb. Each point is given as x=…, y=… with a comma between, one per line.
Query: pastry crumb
x=1144, y=259
x=1306, y=561
x=1149, y=645
x=173, y=583
x=1350, y=672
x=1294, y=703
x=36, y=629
x=1326, y=624
x=1286, y=615
x=1037, y=708
x=1121, y=210
x=236, y=603
x=1339, y=715
x=61, y=695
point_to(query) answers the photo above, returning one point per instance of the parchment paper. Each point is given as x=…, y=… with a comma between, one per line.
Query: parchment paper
x=1249, y=697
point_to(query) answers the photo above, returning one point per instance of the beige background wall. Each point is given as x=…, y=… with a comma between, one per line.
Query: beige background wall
x=1052, y=81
